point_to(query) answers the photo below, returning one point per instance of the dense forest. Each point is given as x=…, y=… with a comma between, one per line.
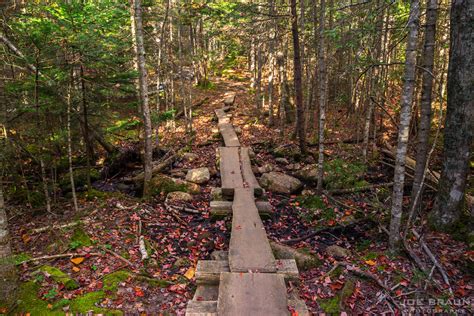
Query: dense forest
x=258, y=157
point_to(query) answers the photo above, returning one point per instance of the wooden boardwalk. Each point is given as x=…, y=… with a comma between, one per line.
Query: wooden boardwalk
x=248, y=279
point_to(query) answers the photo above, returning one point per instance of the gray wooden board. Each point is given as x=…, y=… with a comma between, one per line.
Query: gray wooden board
x=249, y=249
x=247, y=172
x=228, y=134
x=256, y=294
x=231, y=176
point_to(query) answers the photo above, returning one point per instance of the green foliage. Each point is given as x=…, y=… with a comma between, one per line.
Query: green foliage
x=79, y=238
x=112, y=280
x=344, y=175
x=330, y=305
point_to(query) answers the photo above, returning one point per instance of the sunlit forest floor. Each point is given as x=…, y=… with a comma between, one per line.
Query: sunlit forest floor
x=109, y=274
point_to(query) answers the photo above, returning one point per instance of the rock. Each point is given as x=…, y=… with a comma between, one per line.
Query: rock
x=213, y=171
x=337, y=251
x=190, y=157
x=178, y=196
x=199, y=175
x=216, y=194
x=178, y=173
x=280, y=182
x=308, y=173
x=265, y=168
x=163, y=184
x=307, y=192
x=238, y=130
x=282, y=160
x=293, y=166
x=251, y=153
x=304, y=260
x=289, y=150
x=309, y=160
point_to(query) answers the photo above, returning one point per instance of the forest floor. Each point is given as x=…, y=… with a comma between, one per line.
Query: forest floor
x=107, y=272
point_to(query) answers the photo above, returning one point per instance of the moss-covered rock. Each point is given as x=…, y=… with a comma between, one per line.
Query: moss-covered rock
x=304, y=260
x=60, y=277
x=344, y=175
x=330, y=305
x=29, y=302
x=112, y=280
x=161, y=184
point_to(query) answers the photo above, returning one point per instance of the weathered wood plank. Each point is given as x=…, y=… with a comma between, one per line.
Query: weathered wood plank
x=208, y=271
x=201, y=308
x=206, y=292
x=223, y=208
x=231, y=176
x=222, y=116
x=252, y=294
x=229, y=99
x=228, y=134
x=249, y=248
x=248, y=175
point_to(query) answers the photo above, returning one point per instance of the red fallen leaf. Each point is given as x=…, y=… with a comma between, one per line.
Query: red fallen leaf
x=331, y=222
x=461, y=292
x=404, y=283
x=139, y=292
x=336, y=285
x=398, y=292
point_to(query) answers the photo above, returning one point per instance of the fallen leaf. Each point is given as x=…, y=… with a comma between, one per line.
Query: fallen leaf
x=370, y=262
x=190, y=273
x=77, y=260
x=76, y=269
x=26, y=238
x=139, y=292
x=50, y=306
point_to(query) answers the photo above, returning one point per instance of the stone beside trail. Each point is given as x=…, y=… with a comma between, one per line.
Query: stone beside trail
x=279, y=182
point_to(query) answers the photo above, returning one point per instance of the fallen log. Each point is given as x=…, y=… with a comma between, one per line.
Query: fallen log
x=304, y=261
x=200, y=103
x=159, y=167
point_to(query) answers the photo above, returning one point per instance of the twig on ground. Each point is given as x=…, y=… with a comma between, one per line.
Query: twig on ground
x=55, y=226
x=116, y=255
x=175, y=214
x=63, y=255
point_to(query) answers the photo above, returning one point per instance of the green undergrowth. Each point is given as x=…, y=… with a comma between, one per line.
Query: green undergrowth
x=30, y=302
x=60, y=277
x=330, y=305
x=344, y=175
x=79, y=238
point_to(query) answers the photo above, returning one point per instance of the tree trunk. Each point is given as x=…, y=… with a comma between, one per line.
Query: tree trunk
x=271, y=58
x=148, y=155
x=322, y=94
x=8, y=277
x=297, y=79
x=405, y=117
x=459, y=127
x=69, y=145
x=425, y=105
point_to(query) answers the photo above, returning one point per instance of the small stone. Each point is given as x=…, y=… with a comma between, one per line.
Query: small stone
x=307, y=192
x=251, y=153
x=216, y=194
x=293, y=166
x=308, y=173
x=265, y=168
x=238, y=130
x=337, y=251
x=282, y=161
x=179, y=196
x=199, y=175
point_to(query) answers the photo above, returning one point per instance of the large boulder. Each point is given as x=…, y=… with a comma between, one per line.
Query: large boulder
x=308, y=173
x=179, y=196
x=288, y=150
x=162, y=184
x=304, y=260
x=280, y=183
x=199, y=175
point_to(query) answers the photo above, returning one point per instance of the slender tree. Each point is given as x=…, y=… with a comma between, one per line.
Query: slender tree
x=148, y=155
x=404, y=126
x=322, y=93
x=297, y=79
x=426, y=97
x=459, y=127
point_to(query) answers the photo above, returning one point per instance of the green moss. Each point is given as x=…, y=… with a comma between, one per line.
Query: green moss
x=330, y=305
x=15, y=259
x=60, y=277
x=87, y=302
x=311, y=202
x=344, y=175
x=112, y=280
x=347, y=290
x=165, y=185
x=153, y=282
x=79, y=238
x=29, y=302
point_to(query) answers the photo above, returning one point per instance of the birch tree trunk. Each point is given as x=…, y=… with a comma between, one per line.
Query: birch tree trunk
x=69, y=145
x=297, y=79
x=459, y=127
x=143, y=82
x=426, y=97
x=271, y=58
x=322, y=94
x=404, y=126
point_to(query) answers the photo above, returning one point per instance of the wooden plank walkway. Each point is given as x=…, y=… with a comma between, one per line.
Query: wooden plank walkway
x=231, y=177
x=249, y=248
x=246, y=280
x=256, y=294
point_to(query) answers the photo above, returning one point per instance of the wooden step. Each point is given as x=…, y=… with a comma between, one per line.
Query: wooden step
x=231, y=177
x=256, y=294
x=208, y=271
x=201, y=308
x=206, y=292
x=248, y=175
x=224, y=208
x=249, y=249
x=228, y=134
x=229, y=99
